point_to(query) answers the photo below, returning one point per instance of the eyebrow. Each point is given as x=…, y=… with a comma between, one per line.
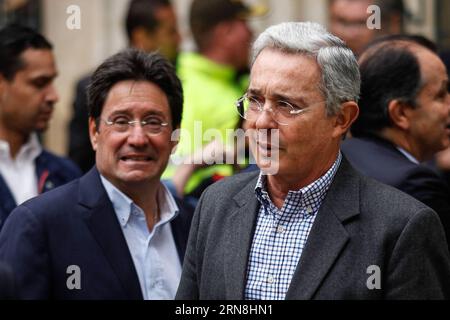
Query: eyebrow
x=128, y=113
x=45, y=78
x=279, y=96
x=444, y=86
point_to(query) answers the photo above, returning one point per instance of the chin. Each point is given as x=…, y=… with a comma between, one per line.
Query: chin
x=136, y=176
x=268, y=166
x=41, y=128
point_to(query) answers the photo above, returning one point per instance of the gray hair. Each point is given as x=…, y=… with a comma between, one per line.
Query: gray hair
x=340, y=73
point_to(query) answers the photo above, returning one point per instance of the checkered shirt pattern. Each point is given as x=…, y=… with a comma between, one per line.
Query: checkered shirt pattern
x=281, y=235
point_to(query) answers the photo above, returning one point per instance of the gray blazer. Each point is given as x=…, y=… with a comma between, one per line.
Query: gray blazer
x=361, y=223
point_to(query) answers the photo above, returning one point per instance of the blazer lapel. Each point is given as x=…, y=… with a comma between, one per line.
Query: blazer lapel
x=328, y=235
x=105, y=228
x=8, y=202
x=181, y=226
x=241, y=225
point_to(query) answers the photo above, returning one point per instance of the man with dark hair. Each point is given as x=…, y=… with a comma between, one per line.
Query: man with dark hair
x=404, y=120
x=348, y=20
x=150, y=25
x=27, y=96
x=115, y=233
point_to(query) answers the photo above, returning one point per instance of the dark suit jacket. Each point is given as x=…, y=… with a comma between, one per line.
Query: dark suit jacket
x=51, y=171
x=360, y=223
x=7, y=288
x=80, y=148
x=75, y=225
x=381, y=160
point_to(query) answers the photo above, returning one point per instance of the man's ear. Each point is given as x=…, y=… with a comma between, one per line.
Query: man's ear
x=345, y=118
x=175, y=138
x=2, y=86
x=93, y=132
x=400, y=114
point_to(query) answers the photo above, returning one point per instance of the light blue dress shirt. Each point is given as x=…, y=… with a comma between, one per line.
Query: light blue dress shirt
x=154, y=253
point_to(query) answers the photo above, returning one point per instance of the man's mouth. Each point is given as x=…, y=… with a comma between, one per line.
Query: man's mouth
x=45, y=115
x=136, y=158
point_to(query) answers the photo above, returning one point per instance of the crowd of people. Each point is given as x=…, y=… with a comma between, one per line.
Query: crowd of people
x=346, y=135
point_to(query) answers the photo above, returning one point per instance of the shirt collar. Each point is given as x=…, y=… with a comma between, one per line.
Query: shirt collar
x=408, y=155
x=309, y=197
x=168, y=208
x=30, y=150
x=123, y=205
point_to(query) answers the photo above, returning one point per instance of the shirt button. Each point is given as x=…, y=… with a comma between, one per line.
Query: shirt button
x=49, y=185
x=270, y=280
x=281, y=229
x=309, y=209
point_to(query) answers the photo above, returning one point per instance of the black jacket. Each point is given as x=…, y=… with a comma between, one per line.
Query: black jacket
x=381, y=160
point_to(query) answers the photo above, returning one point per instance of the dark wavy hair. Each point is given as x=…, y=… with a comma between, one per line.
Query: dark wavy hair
x=132, y=64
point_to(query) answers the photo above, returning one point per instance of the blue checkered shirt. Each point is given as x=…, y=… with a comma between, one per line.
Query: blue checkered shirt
x=281, y=235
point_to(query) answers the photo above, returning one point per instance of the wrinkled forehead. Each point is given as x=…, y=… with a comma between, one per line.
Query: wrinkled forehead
x=285, y=72
x=132, y=95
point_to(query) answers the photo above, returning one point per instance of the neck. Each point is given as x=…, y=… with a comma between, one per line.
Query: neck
x=401, y=139
x=278, y=186
x=146, y=197
x=15, y=140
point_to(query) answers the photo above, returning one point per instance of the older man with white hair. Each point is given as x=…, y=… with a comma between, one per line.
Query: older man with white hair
x=315, y=229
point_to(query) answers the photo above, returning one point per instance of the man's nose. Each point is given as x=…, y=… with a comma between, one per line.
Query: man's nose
x=137, y=135
x=265, y=118
x=52, y=95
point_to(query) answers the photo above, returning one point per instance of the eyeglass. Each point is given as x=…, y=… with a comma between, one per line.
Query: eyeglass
x=250, y=108
x=151, y=126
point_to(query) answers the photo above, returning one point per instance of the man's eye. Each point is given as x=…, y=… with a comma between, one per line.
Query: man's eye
x=40, y=83
x=285, y=105
x=120, y=121
x=254, y=98
x=253, y=102
x=153, y=122
x=442, y=95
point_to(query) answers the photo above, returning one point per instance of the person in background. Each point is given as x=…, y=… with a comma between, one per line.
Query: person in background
x=27, y=98
x=212, y=80
x=348, y=20
x=404, y=120
x=150, y=25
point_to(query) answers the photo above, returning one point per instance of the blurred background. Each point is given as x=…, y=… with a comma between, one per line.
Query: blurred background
x=102, y=33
